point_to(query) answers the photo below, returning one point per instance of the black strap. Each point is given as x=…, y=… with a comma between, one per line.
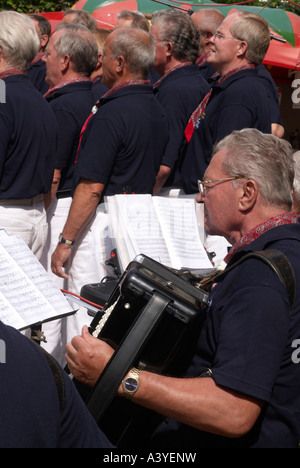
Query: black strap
x=123, y=359
x=278, y=262
x=58, y=377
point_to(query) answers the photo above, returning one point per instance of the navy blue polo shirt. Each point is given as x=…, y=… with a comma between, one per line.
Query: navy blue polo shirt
x=99, y=89
x=179, y=92
x=207, y=71
x=272, y=93
x=249, y=341
x=30, y=413
x=28, y=141
x=71, y=104
x=37, y=74
x=239, y=102
x=124, y=142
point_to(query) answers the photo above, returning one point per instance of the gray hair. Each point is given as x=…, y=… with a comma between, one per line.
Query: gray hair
x=254, y=30
x=19, y=41
x=136, y=46
x=79, y=43
x=179, y=29
x=261, y=157
x=296, y=158
x=138, y=19
x=82, y=17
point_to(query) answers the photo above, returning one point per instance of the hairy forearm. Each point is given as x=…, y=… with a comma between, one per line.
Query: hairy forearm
x=199, y=403
x=86, y=198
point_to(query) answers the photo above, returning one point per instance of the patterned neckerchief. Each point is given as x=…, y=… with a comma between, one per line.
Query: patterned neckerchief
x=11, y=72
x=280, y=220
x=65, y=83
x=185, y=64
x=202, y=59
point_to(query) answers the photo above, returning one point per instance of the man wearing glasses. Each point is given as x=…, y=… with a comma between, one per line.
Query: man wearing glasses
x=237, y=100
x=249, y=395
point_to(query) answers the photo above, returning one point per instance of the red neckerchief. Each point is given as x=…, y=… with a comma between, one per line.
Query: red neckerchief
x=96, y=107
x=11, y=72
x=185, y=64
x=202, y=59
x=280, y=220
x=38, y=57
x=189, y=130
x=65, y=83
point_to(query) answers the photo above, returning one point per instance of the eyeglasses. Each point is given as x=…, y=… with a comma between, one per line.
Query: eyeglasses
x=203, y=183
x=220, y=36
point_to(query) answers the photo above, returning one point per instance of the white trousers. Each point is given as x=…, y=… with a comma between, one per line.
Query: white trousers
x=86, y=265
x=26, y=219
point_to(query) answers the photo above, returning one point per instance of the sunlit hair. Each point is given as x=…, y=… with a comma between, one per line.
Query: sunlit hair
x=296, y=158
x=263, y=158
x=138, y=19
x=178, y=28
x=79, y=43
x=253, y=29
x=19, y=41
x=136, y=46
x=82, y=17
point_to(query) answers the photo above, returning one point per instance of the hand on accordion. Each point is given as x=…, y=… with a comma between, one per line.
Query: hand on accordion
x=87, y=356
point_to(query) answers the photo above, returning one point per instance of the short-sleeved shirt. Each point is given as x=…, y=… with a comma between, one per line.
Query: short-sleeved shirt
x=28, y=140
x=249, y=341
x=124, y=142
x=30, y=411
x=238, y=102
x=179, y=92
x=71, y=104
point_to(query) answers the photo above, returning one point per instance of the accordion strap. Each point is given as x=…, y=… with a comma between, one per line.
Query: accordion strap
x=279, y=264
x=123, y=359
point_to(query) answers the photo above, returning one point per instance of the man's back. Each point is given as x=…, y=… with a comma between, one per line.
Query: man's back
x=30, y=410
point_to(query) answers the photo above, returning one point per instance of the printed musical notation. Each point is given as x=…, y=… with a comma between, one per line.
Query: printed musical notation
x=161, y=228
x=27, y=293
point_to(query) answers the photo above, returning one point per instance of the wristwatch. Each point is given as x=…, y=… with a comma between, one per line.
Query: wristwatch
x=62, y=240
x=131, y=383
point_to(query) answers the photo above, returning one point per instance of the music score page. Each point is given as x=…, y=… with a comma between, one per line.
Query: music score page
x=27, y=293
x=164, y=229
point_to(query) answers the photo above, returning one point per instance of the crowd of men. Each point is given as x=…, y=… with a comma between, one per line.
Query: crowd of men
x=177, y=104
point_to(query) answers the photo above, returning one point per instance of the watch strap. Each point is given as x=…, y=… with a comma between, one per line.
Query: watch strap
x=63, y=240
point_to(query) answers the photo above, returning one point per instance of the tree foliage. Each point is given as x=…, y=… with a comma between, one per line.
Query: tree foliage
x=36, y=6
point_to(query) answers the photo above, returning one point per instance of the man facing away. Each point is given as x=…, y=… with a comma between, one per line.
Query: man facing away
x=120, y=151
x=28, y=136
x=70, y=58
x=242, y=388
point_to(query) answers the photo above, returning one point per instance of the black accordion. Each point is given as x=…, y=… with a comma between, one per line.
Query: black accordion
x=152, y=319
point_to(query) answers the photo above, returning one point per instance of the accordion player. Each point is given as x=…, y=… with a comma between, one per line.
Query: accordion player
x=152, y=319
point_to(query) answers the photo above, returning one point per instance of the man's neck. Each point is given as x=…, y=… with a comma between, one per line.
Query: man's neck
x=223, y=69
x=250, y=221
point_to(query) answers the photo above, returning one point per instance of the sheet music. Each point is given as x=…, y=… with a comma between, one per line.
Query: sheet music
x=139, y=220
x=25, y=288
x=33, y=269
x=162, y=228
x=178, y=222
